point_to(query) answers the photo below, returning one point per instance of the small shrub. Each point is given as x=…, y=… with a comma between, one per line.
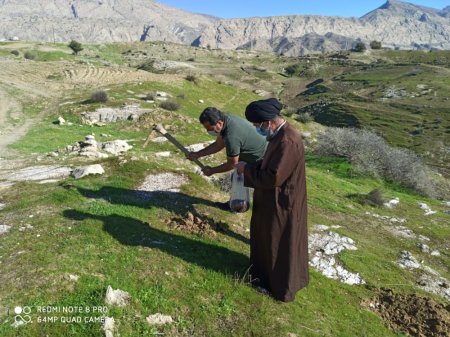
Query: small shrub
x=191, y=78
x=29, y=55
x=293, y=69
x=191, y=59
x=150, y=96
x=304, y=117
x=375, y=44
x=99, y=96
x=170, y=105
x=359, y=47
x=15, y=52
x=75, y=46
x=375, y=198
x=290, y=111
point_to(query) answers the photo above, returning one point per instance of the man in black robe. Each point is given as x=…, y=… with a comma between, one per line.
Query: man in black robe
x=278, y=228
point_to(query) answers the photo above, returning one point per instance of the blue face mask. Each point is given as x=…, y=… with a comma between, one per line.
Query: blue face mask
x=263, y=131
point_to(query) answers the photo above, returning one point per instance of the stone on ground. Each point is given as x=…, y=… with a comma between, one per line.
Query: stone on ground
x=83, y=171
x=117, y=297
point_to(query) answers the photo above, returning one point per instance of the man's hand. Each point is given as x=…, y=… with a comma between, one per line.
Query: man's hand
x=192, y=155
x=240, y=167
x=207, y=171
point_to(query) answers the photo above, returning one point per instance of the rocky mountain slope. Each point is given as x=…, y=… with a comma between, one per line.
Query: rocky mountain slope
x=98, y=21
x=396, y=24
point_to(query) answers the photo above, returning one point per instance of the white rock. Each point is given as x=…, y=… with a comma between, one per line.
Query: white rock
x=162, y=154
x=435, y=253
x=197, y=147
x=162, y=94
x=73, y=277
x=116, y=147
x=61, y=121
x=83, y=171
x=201, y=101
x=159, y=319
x=435, y=284
x=4, y=229
x=108, y=326
x=423, y=247
x=2, y=206
x=323, y=247
x=48, y=181
x=407, y=260
x=423, y=238
x=117, y=297
x=34, y=173
x=392, y=203
x=321, y=227
x=159, y=140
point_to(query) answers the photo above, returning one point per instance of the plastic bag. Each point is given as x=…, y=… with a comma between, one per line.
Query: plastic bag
x=239, y=194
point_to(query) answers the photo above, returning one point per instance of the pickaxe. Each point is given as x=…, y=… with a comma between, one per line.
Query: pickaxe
x=175, y=142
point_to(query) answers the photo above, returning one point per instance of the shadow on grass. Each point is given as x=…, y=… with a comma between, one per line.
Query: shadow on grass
x=133, y=232
x=175, y=202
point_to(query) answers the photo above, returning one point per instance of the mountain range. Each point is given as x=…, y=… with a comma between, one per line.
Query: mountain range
x=396, y=24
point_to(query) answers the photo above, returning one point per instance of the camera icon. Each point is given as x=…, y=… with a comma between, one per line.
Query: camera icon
x=22, y=315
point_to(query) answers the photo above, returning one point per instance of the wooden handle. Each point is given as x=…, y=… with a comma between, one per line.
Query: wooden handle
x=175, y=142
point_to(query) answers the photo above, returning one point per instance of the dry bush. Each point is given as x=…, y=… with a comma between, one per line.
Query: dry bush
x=99, y=96
x=375, y=197
x=372, y=155
x=150, y=96
x=170, y=105
x=191, y=78
x=304, y=117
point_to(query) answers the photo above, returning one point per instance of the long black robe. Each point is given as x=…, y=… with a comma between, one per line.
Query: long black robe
x=278, y=229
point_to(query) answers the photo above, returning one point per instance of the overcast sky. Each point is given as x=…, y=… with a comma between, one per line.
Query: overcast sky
x=249, y=8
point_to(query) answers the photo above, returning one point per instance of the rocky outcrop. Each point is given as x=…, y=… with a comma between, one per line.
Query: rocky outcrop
x=99, y=21
x=395, y=24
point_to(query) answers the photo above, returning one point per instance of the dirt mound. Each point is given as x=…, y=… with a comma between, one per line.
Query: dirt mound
x=412, y=314
x=197, y=224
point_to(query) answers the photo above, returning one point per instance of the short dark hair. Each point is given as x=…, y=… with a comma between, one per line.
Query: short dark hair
x=212, y=116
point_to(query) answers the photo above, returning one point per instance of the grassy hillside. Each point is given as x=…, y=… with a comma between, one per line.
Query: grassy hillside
x=70, y=240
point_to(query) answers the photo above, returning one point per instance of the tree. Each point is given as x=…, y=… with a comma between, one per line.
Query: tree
x=375, y=44
x=360, y=47
x=75, y=46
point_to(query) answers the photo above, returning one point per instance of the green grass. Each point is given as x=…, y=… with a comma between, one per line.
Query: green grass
x=98, y=229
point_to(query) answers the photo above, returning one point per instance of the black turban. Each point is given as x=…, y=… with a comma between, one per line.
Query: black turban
x=263, y=110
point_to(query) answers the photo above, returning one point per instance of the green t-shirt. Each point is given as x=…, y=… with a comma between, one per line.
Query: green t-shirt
x=241, y=139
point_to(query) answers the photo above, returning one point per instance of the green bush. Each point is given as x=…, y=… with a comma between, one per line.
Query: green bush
x=29, y=55
x=375, y=44
x=75, y=46
x=359, y=47
x=15, y=52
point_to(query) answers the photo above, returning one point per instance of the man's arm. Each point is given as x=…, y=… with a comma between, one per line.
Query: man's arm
x=225, y=167
x=215, y=147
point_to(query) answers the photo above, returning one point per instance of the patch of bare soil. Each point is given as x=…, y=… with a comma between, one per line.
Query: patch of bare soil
x=412, y=314
x=197, y=224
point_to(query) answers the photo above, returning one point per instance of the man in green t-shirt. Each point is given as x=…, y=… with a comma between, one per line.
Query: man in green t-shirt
x=235, y=134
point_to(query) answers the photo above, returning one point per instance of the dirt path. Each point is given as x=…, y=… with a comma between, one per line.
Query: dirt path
x=10, y=111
